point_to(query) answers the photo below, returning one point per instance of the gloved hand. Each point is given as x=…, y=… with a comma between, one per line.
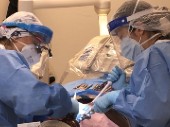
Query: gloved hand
x=80, y=111
x=118, y=78
x=84, y=112
x=105, y=102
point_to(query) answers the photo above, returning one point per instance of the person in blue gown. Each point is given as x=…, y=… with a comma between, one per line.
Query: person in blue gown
x=144, y=32
x=22, y=96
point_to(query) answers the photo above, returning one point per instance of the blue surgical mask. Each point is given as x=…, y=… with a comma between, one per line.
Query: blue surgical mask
x=130, y=48
x=30, y=54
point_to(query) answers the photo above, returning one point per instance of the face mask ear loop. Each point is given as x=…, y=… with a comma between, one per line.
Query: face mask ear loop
x=11, y=40
x=150, y=38
x=21, y=43
x=140, y=39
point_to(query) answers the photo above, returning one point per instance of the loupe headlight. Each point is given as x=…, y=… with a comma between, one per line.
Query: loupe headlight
x=40, y=47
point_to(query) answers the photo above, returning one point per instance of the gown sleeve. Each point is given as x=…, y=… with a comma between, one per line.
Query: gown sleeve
x=27, y=96
x=148, y=101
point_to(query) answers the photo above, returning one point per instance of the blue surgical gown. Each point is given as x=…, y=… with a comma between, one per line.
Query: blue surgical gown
x=147, y=102
x=22, y=96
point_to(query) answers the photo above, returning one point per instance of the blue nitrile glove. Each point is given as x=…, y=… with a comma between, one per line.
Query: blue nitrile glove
x=84, y=112
x=105, y=102
x=118, y=78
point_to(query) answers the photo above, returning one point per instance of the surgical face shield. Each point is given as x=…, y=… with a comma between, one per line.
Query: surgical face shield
x=115, y=25
x=124, y=63
x=37, y=30
x=29, y=22
x=118, y=29
x=125, y=21
x=154, y=19
x=40, y=69
x=22, y=24
x=121, y=46
x=32, y=52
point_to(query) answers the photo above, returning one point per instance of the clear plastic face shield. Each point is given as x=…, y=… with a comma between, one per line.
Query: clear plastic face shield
x=154, y=19
x=41, y=67
x=26, y=24
x=37, y=53
x=36, y=47
x=42, y=34
x=119, y=32
x=114, y=27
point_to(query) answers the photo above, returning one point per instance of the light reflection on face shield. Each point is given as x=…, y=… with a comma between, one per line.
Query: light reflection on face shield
x=40, y=68
x=123, y=62
x=120, y=32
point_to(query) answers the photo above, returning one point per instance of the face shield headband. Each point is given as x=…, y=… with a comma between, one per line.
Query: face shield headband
x=114, y=24
x=43, y=31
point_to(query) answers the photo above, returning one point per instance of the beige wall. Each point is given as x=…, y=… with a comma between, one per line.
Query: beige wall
x=3, y=9
x=73, y=28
